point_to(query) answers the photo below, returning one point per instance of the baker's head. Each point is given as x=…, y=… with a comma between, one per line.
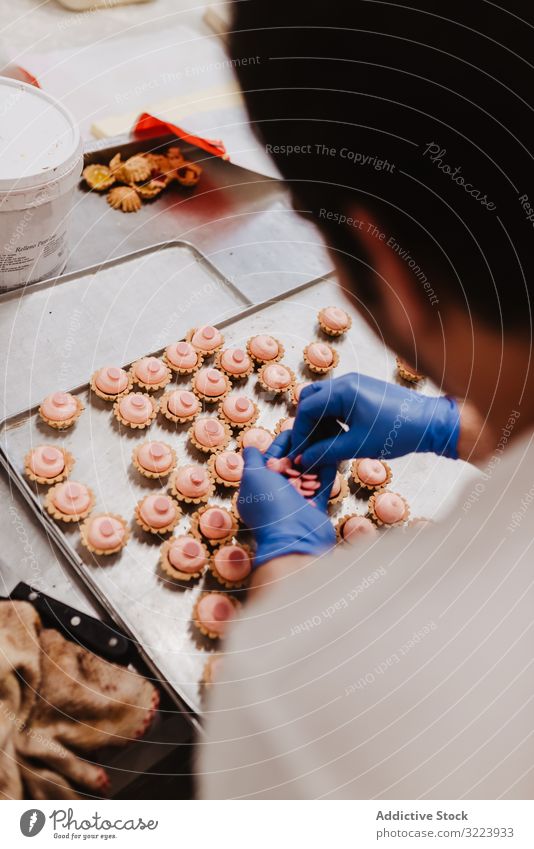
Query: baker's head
x=404, y=131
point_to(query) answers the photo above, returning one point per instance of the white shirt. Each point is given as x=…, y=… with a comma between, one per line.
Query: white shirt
x=403, y=669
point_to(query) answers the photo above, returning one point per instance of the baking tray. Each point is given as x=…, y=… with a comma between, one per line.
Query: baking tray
x=153, y=610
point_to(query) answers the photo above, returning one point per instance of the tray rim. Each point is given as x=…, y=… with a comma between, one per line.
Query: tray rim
x=52, y=529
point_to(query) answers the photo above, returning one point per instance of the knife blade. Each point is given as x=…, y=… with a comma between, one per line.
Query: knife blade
x=99, y=637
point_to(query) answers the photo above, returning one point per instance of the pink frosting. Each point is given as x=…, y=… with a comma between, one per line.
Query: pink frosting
x=214, y=610
x=235, y=360
x=229, y=466
x=257, y=437
x=232, y=562
x=105, y=532
x=186, y=554
x=158, y=511
x=207, y=338
x=46, y=461
x=287, y=424
x=390, y=507
x=335, y=318
x=150, y=370
x=192, y=481
x=319, y=354
x=59, y=407
x=211, y=382
x=238, y=408
x=264, y=347
x=182, y=403
x=71, y=498
x=372, y=472
x=277, y=376
x=111, y=380
x=357, y=527
x=209, y=432
x=215, y=523
x=155, y=456
x=135, y=408
x=182, y=355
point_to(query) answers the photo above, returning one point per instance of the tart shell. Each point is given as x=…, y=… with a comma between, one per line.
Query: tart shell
x=67, y=517
x=206, y=449
x=379, y=522
x=160, y=531
x=104, y=395
x=217, y=478
x=195, y=526
x=186, y=499
x=136, y=425
x=103, y=552
x=171, y=570
x=259, y=360
x=240, y=425
x=68, y=422
x=153, y=475
x=271, y=389
x=69, y=463
x=369, y=486
x=196, y=620
x=322, y=369
x=232, y=585
x=150, y=387
x=329, y=331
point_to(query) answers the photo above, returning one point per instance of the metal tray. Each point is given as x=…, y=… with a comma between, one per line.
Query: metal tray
x=156, y=612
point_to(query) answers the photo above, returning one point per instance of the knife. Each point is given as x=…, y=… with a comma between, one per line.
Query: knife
x=99, y=637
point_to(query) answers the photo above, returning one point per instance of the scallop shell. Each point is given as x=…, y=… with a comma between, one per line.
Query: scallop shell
x=136, y=169
x=124, y=198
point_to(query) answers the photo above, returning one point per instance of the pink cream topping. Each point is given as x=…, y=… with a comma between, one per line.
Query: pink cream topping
x=238, y=408
x=276, y=376
x=105, y=532
x=235, y=360
x=59, y=407
x=229, y=466
x=207, y=338
x=135, y=408
x=111, y=380
x=211, y=382
x=186, y=554
x=71, y=498
x=319, y=354
x=182, y=355
x=214, y=610
x=46, y=461
x=182, y=403
x=150, y=370
x=264, y=347
x=257, y=437
x=192, y=481
x=155, y=456
x=390, y=507
x=335, y=318
x=372, y=472
x=209, y=432
x=158, y=511
x=215, y=523
x=232, y=562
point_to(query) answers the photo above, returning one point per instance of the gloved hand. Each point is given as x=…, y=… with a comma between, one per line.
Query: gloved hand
x=281, y=520
x=384, y=421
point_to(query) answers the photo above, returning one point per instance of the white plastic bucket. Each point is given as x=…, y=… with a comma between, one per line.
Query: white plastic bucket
x=41, y=161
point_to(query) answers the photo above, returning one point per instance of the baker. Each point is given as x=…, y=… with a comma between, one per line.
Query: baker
x=418, y=682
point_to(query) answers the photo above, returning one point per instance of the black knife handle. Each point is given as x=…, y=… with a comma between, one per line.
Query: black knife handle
x=100, y=638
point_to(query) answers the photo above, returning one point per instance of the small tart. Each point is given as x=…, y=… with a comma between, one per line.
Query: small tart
x=157, y=514
x=183, y=557
x=370, y=474
x=297, y=389
x=239, y=411
x=265, y=349
x=231, y=565
x=227, y=468
x=48, y=464
x=182, y=357
x=70, y=501
x=284, y=424
x=276, y=378
x=98, y=177
x=150, y=373
x=209, y=673
x=206, y=339
x=255, y=437
x=339, y=491
x=154, y=459
x=111, y=382
x=320, y=357
x=235, y=362
x=136, y=410
x=210, y=384
x=388, y=508
x=334, y=321
x=408, y=372
x=354, y=527
x=137, y=168
x=213, y=524
x=234, y=508
x=209, y=435
x=179, y=405
x=192, y=484
x=60, y=410
x=105, y=533
x=188, y=174
x=212, y=613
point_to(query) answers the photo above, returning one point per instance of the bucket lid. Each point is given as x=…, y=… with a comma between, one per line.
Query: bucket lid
x=39, y=138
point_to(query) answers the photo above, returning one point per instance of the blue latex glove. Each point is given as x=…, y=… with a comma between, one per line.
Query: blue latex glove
x=384, y=420
x=281, y=520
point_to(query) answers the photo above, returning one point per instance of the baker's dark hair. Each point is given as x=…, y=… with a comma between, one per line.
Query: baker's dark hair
x=421, y=110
